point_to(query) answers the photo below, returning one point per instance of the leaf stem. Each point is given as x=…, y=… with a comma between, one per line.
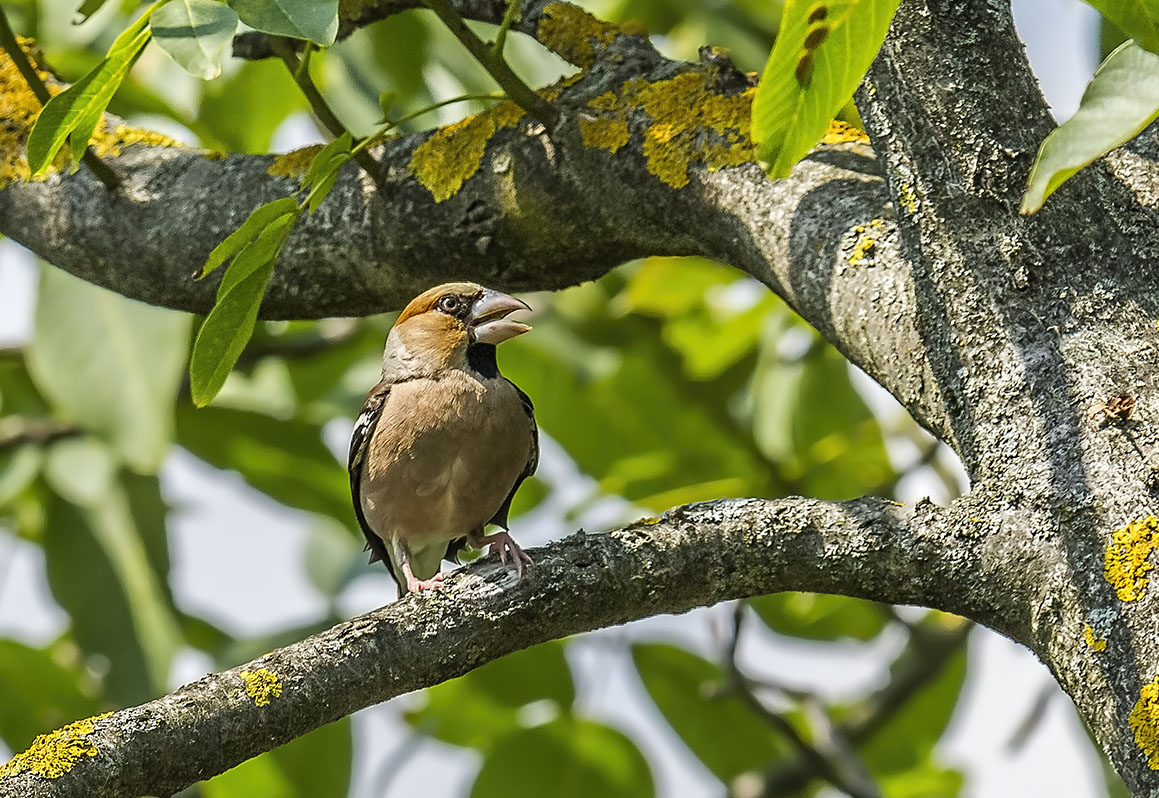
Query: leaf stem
x=516, y=89
x=8, y=41
x=509, y=17
x=298, y=69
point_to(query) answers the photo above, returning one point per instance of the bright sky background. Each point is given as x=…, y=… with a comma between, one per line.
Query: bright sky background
x=220, y=529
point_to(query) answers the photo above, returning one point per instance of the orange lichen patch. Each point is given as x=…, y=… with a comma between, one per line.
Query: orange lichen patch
x=1099, y=644
x=448, y=158
x=1126, y=563
x=574, y=34
x=262, y=685
x=843, y=133
x=294, y=163
x=1144, y=720
x=19, y=109
x=52, y=755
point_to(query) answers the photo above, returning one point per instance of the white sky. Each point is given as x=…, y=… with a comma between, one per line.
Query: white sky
x=216, y=513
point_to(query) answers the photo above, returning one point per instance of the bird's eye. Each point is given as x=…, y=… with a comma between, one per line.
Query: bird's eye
x=449, y=304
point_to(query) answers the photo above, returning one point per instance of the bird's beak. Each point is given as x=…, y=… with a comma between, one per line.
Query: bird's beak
x=489, y=323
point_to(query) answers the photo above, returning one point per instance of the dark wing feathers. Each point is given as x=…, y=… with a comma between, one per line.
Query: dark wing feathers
x=359, y=447
x=500, y=517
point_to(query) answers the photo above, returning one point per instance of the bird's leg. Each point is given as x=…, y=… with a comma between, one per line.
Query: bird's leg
x=413, y=584
x=504, y=545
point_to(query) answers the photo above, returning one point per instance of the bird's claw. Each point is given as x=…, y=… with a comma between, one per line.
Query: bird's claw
x=503, y=545
x=415, y=585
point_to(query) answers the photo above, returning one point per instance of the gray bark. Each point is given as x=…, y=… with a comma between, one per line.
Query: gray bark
x=1005, y=336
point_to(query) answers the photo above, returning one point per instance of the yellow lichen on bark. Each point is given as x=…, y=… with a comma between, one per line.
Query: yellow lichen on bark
x=453, y=153
x=1144, y=720
x=866, y=243
x=1126, y=563
x=574, y=34
x=262, y=685
x=1098, y=644
x=19, y=109
x=294, y=163
x=844, y=133
x=52, y=755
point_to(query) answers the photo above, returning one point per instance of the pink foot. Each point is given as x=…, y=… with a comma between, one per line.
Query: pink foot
x=415, y=585
x=503, y=545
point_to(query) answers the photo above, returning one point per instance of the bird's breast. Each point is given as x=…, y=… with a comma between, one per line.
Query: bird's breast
x=444, y=456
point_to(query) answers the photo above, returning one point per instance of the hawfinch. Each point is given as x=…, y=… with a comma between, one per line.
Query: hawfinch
x=444, y=440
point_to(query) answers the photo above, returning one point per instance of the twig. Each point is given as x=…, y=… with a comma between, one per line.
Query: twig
x=809, y=756
x=927, y=652
x=18, y=430
x=300, y=72
x=516, y=89
x=8, y=41
x=509, y=16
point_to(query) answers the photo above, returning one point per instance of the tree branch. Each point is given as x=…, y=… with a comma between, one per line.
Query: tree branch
x=693, y=556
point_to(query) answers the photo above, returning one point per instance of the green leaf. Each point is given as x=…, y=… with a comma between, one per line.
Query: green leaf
x=265, y=90
x=18, y=468
x=255, y=224
x=723, y=734
x=1139, y=19
x=81, y=470
x=817, y=616
x=195, y=33
x=808, y=418
x=565, y=759
x=480, y=708
x=90, y=7
x=1121, y=100
x=76, y=111
x=318, y=763
x=820, y=55
x=908, y=738
x=923, y=781
x=108, y=568
x=111, y=364
x=42, y=691
x=283, y=458
x=316, y=20
x=228, y=327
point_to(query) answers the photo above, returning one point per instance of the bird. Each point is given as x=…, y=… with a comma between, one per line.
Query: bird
x=443, y=441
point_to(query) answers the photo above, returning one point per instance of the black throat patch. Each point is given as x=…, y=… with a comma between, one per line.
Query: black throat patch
x=481, y=359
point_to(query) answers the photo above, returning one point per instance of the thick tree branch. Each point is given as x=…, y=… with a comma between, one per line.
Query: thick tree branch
x=693, y=556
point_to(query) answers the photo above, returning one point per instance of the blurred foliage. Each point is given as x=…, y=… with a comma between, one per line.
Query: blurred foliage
x=671, y=380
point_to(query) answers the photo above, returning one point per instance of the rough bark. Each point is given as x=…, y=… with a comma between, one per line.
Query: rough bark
x=1017, y=340
x=693, y=556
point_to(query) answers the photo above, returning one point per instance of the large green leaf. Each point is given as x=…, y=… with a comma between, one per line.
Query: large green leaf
x=1139, y=19
x=284, y=458
x=42, y=692
x=195, y=33
x=821, y=53
x=722, y=733
x=314, y=765
x=817, y=616
x=109, y=363
x=108, y=568
x=908, y=738
x=266, y=92
x=480, y=708
x=1120, y=101
x=316, y=20
x=808, y=418
x=228, y=327
x=567, y=758
x=76, y=111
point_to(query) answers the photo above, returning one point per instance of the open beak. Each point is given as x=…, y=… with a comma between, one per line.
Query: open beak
x=489, y=323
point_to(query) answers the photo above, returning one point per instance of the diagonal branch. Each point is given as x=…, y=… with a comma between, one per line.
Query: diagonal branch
x=693, y=556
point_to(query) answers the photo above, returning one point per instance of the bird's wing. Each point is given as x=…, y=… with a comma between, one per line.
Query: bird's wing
x=359, y=447
x=500, y=517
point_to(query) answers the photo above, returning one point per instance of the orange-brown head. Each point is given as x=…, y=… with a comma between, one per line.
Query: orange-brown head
x=436, y=329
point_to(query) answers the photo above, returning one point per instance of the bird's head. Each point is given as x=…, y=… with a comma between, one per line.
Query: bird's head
x=438, y=327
